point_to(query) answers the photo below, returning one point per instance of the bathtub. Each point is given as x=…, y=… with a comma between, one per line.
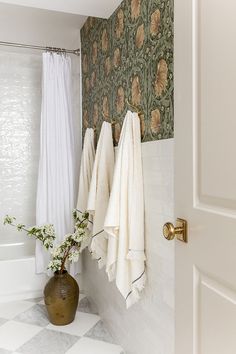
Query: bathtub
x=17, y=272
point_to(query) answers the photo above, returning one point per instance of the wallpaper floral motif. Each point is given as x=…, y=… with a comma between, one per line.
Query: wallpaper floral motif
x=129, y=59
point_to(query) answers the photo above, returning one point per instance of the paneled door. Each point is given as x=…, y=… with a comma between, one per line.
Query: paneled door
x=205, y=175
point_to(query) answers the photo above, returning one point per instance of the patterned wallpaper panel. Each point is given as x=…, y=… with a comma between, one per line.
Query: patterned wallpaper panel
x=129, y=57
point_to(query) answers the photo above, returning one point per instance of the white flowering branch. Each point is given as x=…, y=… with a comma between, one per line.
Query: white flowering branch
x=45, y=233
x=69, y=249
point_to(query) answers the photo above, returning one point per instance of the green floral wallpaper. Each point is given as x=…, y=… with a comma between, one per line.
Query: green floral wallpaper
x=129, y=57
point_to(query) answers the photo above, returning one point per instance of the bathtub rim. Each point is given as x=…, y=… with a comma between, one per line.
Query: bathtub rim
x=39, y=281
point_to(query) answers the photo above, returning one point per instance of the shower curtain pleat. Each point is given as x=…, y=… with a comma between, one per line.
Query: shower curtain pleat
x=56, y=177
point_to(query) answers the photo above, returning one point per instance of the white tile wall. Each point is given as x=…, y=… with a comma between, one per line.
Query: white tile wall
x=20, y=111
x=148, y=327
x=20, y=105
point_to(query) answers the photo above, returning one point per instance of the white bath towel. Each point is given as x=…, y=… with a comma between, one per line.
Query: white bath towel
x=125, y=215
x=86, y=169
x=99, y=192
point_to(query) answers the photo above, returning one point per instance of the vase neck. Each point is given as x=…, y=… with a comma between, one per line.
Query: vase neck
x=58, y=274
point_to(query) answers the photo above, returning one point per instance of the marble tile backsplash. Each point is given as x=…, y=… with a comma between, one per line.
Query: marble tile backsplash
x=148, y=327
x=20, y=105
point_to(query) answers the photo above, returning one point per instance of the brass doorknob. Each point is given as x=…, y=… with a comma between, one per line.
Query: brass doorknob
x=180, y=231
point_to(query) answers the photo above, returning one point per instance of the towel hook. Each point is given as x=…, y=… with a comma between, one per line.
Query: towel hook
x=136, y=109
x=94, y=128
x=113, y=122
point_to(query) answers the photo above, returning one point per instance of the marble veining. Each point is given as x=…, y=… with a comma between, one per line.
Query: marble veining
x=87, y=306
x=36, y=315
x=100, y=332
x=25, y=329
x=49, y=341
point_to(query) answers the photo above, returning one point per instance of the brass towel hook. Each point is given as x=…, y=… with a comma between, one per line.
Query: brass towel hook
x=136, y=109
x=94, y=128
x=113, y=122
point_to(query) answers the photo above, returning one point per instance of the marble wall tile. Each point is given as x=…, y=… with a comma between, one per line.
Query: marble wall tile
x=151, y=320
x=20, y=105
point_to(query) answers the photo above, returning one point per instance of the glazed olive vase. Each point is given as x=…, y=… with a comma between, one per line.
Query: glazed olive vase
x=61, y=296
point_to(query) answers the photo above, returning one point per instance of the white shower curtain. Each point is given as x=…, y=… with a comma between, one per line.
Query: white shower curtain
x=56, y=177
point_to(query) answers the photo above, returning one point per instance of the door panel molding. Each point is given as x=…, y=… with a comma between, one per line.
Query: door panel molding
x=208, y=291
x=206, y=196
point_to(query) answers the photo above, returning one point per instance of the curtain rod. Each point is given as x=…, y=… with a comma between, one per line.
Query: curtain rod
x=37, y=47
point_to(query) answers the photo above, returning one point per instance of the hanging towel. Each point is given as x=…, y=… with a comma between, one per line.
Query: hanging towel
x=124, y=221
x=99, y=192
x=86, y=168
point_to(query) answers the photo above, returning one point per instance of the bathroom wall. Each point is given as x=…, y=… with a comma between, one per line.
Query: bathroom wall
x=130, y=57
x=148, y=326
x=20, y=110
x=20, y=101
x=20, y=107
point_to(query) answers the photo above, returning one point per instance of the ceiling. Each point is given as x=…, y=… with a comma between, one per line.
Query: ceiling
x=39, y=27
x=97, y=8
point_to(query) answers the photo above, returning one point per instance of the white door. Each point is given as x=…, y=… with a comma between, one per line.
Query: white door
x=205, y=175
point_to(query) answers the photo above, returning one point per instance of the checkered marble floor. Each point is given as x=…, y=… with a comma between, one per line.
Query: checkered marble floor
x=24, y=328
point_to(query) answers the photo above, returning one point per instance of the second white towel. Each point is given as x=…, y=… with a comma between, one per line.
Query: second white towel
x=86, y=169
x=99, y=193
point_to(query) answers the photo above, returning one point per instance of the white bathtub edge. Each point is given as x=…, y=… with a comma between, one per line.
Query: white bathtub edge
x=19, y=281
x=18, y=260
